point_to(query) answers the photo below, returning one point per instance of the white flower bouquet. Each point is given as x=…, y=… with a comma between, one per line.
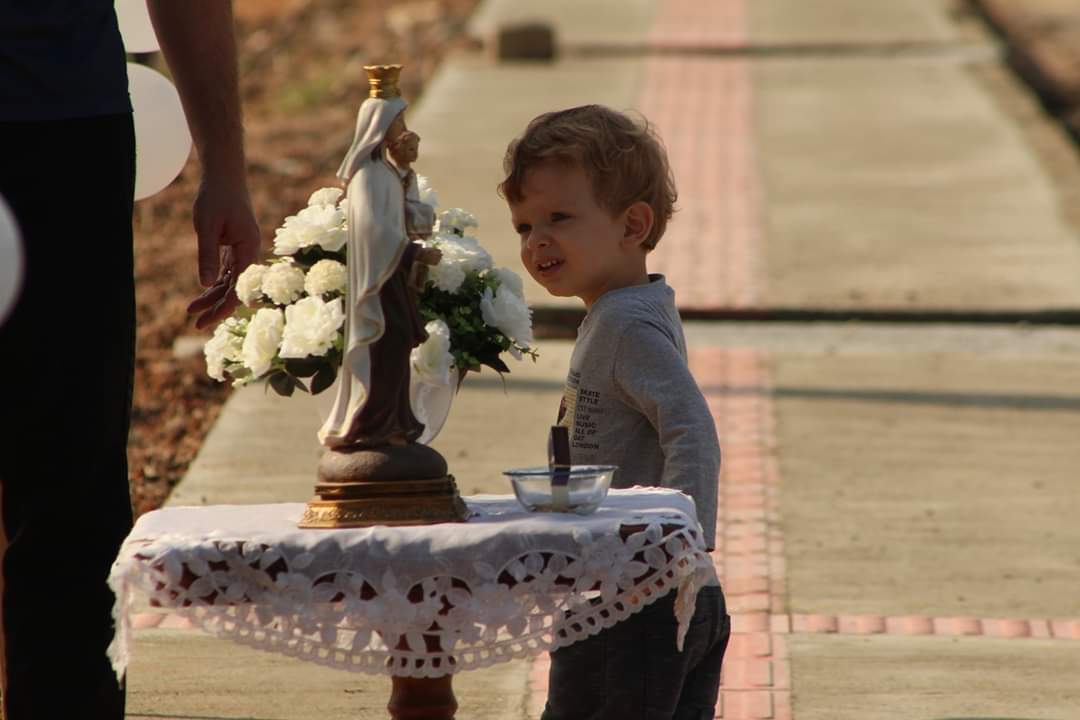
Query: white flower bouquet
x=289, y=329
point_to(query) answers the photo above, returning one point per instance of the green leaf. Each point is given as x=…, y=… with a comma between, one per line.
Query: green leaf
x=304, y=367
x=496, y=363
x=323, y=379
x=282, y=384
x=308, y=256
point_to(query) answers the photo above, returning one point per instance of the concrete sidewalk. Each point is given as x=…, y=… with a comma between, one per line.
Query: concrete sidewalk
x=898, y=534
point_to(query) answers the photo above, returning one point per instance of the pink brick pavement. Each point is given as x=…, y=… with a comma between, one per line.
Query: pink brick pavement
x=749, y=557
x=702, y=109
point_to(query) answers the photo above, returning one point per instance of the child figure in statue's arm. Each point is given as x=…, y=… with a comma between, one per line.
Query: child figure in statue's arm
x=403, y=147
x=590, y=193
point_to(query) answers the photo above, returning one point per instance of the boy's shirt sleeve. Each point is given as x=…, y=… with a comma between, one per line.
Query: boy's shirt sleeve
x=652, y=377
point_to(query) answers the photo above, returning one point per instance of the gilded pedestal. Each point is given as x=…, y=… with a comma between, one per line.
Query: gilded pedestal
x=393, y=485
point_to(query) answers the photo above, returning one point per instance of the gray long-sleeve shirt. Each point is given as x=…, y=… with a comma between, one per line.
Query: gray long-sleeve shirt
x=631, y=401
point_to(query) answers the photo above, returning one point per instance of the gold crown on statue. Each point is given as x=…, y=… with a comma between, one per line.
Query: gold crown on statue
x=382, y=80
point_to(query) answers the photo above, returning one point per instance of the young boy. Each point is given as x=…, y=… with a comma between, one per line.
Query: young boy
x=590, y=193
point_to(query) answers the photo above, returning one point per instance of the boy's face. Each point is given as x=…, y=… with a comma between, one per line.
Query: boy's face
x=570, y=244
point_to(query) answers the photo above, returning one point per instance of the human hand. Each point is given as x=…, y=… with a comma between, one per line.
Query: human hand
x=228, y=237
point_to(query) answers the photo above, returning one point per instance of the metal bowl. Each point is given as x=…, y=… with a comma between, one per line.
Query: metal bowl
x=579, y=490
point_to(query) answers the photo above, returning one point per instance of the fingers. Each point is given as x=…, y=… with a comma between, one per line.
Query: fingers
x=228, y=242
x=245, y=246
x=210, y=297
x=209, y=238
x=220, y=293
x=217, y=302
x=219, y=311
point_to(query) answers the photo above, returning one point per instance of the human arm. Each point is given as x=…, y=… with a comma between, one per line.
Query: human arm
x=651, y=375
x=196, y=37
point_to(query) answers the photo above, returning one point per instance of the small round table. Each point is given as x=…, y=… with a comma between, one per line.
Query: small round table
x=415, y=603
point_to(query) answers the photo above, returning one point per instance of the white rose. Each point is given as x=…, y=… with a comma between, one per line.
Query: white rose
x=286, y=239
x=432, y=360
x=325, y=196
x=455, y=220
x=326, y=226
x=326, y=276
x=224, y=347
x=322, y=225
x=464, y=252
x=475, y=257
x=510, y=280
x=249, y=284
x=447, y=276
x=283, y=282
x=509, y=313
x=311, y=325
x=262, y=340
x=427, y=193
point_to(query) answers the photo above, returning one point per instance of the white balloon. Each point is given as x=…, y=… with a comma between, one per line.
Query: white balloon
x=11, y=260
x=135, y=26
x=162, y=138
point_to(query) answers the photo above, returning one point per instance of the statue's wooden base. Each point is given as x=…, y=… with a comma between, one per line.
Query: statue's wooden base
x=386, y=502
x=387, y=485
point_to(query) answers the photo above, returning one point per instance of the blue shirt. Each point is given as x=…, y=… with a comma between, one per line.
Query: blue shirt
x=61, y=59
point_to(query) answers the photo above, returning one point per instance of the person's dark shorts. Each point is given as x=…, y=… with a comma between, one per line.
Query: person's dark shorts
x=633, y=671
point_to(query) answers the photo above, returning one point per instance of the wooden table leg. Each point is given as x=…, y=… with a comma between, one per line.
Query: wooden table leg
x=422, y=698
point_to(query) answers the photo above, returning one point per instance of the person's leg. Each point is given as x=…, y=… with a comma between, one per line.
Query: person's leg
x=701, y=687
x=67, y=359
x=631, y=671
x=577, y=681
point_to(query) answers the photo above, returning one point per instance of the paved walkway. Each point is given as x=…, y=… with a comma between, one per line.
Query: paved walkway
x=898, y=534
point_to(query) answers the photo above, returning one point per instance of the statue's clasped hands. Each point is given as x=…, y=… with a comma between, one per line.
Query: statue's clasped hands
x=430, y=256
x=425, y=257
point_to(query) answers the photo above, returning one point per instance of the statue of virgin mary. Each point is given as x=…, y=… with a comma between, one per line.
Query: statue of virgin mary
x=372, y=407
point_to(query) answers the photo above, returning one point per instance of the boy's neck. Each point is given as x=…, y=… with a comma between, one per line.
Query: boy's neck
x=630, y=278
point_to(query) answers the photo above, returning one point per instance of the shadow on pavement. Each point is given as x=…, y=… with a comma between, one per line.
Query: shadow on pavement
x=983, y=718
x=1010, y=401
x=157, y=716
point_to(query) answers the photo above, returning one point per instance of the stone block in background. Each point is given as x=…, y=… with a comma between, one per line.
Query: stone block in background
x=525, y=41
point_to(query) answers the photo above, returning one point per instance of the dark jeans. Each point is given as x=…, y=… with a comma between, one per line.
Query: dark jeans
x=66, y=364
x=632, y=671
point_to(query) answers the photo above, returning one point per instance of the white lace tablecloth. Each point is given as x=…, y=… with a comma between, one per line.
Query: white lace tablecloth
x=418, y=601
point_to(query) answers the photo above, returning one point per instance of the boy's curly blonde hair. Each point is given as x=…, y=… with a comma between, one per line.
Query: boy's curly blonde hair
x=624, y=160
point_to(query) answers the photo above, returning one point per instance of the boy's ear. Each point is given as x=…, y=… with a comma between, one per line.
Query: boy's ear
x=638, y=223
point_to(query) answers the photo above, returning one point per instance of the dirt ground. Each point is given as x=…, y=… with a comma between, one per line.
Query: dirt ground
x=301, y=80
x=1045, y=35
